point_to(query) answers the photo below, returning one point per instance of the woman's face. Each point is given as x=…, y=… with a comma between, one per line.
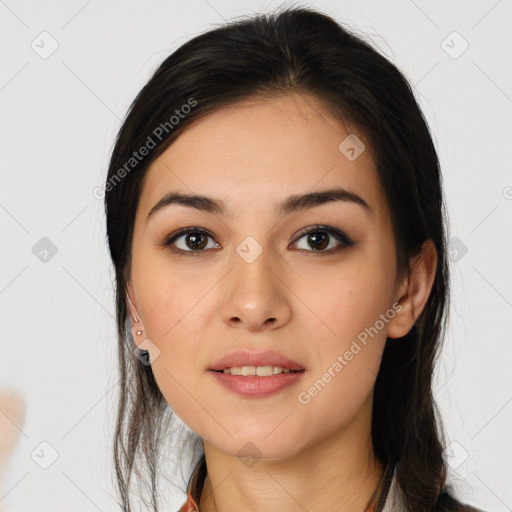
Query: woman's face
x=257, y=281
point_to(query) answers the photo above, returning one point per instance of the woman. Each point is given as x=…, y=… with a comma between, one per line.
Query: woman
x=276, y=221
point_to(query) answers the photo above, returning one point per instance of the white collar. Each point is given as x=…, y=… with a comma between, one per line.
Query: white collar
x=394, y=500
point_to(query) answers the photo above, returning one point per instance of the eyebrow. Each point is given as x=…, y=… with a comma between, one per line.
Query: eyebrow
x=291, y=204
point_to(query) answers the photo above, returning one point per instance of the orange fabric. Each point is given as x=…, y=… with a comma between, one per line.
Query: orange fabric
x=190, y=505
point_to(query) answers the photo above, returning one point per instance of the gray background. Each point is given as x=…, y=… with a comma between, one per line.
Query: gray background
x=59, y=116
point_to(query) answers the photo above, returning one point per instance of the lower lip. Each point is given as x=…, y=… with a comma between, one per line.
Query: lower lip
x=257, y=387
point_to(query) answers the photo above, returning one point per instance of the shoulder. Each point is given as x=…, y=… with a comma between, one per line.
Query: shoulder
x=447, y=503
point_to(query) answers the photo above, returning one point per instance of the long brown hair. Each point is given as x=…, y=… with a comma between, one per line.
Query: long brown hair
x=294, y=50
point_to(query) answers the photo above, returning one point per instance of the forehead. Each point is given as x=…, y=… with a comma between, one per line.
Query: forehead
x=263, y=149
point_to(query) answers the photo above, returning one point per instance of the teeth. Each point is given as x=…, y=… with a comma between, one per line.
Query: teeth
x=261, y=371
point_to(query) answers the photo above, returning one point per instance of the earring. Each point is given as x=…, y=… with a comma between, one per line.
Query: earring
x=139, y=333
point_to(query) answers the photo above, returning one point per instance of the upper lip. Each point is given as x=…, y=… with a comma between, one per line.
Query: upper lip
x=246, y=358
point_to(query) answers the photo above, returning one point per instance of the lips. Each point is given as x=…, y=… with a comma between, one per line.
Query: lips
x=246, y=358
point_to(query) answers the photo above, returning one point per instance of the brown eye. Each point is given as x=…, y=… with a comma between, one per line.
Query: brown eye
x=320, y=238
x=196, y=241
x=191, y=240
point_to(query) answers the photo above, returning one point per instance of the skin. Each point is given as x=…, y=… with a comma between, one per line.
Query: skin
x=195, y=309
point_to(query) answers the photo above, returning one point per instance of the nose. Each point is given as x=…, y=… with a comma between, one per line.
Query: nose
x=256, y=297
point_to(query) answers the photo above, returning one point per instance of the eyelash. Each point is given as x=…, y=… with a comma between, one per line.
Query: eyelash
x=336, y=233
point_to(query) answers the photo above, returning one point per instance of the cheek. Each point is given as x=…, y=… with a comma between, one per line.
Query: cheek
x=341, y=382
x=170, y=296
x=176, y=320
x=344, y=305
x=350, y=321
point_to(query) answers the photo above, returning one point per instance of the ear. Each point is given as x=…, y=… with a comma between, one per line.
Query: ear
x=132, y=308
x=413, y=293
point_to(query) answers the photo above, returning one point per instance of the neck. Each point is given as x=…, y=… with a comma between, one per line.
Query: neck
x=339, y=473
